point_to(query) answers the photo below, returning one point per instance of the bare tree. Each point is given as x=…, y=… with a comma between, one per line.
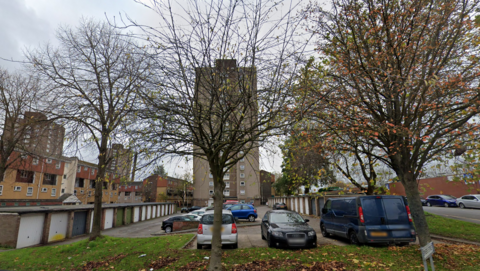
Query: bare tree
x=226, y=73
x=18, y=94
x=95, y=75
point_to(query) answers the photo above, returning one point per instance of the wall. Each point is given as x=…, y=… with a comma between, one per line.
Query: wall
x=31, y=226
x=439, y=185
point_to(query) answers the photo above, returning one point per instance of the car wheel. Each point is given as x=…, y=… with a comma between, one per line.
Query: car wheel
x=446, y=205
x=462, y=205
x=199, y=246
x=263, y=237
x=353, y=238
x=168, y=229
x=269, y=241
x=429, y=204
x=251, y=218
x=324, y=231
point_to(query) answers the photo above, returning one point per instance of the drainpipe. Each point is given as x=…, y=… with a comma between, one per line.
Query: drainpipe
x=40, y=179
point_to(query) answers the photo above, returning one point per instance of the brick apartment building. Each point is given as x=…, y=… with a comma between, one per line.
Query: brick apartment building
x=131, y=192
x=167, y=189
x=243, y=180
x=43, y=176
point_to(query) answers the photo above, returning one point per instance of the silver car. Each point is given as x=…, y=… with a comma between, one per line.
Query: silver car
x=469, y=201
x=229, y=230
x=193, y=217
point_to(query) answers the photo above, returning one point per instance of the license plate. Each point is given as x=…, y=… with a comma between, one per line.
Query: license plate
x=378, y=234
x=222, y=229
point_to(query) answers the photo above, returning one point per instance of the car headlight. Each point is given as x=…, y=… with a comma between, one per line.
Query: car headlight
x=311, y=233
x=277, y=233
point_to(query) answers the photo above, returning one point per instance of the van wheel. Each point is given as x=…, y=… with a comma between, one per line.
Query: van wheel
x=199, y=246
x=462, y=205
x=324, y=231
x=251, y=218
x=168, y=229
x=353, y=238
x=429, y=204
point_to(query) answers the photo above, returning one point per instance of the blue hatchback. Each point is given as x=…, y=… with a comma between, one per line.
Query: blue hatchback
x=244, y=211
x=442, y=200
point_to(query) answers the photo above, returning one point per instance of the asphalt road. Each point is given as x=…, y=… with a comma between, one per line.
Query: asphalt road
x=469, y=215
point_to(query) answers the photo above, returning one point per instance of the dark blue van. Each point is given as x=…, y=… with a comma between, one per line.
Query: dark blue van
x=369, y=219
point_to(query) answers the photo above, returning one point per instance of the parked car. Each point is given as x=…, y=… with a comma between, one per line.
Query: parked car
x=194, y=208
x=369, y=219
x=244, y=211
x=184, y=210
x=287, y=229
x=442, y=200
x=469, y=201
x=424, y=201
x=198, y=212
x=228, y=205
x=252, y=203
x=229, y=230
x=279, y=205
x=193, y=217
x=167, y=224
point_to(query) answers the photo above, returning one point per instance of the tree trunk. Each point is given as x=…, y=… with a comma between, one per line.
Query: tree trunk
x=370, y=189
x=216, y=253
x=413, y=196
x=97, y=210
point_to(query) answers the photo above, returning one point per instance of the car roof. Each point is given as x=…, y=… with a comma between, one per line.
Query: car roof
x=281, y=211
x=223, y=212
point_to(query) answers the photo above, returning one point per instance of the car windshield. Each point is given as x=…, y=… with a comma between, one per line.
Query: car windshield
x=208, y=219
x=448, y=197
x=286, y=218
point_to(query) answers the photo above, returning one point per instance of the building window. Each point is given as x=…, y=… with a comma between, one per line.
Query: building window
x=115, y=193
x=49, y=179
x=81, y=191
x=92, y=184
x=114, y=186
x=210, y=175
x=29, y=191
x=242, y=201
x=226, y=176
x=227, y=184
x=79, y=182
x=49, y=160
x=242, y=167
x=44, y=190
x=79, y=168
x=127, y=194
x=106, y=193
x=226, y=192
x=75, y=192
x=65, y=176
x=111, y=194
x=93, y=171
x=210, y=192
x=242, y=183
x=57, y=165
x=242, y=192
x=105, y=186
x=89, y=193
x=63, y=190
x=241, y=154
x=35, y=160
x=54, y=192
x=210, y=183
x=17, y=188
x=24, y=176
x=85, y=168
x=23, y=156
x=242, y=175
x=1, y=190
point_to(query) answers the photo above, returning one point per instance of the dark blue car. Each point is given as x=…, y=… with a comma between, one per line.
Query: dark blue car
x=244, y=211
x=442, y=200
x=369, y=219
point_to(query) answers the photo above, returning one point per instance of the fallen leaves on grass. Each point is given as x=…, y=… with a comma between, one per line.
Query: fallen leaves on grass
x=297, y=266
x=162, y=262
x=91, y=265
x=194, y=266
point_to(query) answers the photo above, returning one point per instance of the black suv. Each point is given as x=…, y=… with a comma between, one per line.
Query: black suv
x=167, y=224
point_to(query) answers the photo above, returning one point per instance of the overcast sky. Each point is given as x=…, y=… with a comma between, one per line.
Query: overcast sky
x=31, y=23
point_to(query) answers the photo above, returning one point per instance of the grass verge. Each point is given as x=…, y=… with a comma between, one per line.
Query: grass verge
x=109, y=253
x=453, y=228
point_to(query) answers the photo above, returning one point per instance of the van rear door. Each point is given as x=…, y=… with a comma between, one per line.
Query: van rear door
x=385, y=217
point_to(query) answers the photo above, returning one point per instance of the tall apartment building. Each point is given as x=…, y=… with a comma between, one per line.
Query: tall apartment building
x=121, y=162
x=38, y=134
x=243, y=180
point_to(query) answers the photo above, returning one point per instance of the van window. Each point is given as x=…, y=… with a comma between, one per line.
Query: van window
x=395, y=211
x=338, y=207
x=373, y=211
x=328, y=205
x=350, y=207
